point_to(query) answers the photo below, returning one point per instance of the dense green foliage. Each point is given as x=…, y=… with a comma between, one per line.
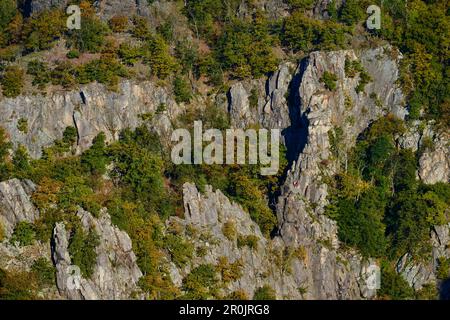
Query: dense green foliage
x=380, y=206
x=82, y=250
x=12, y=81
x=42, y=30
x=26, y=285
x=420, y=30
x=91, y=37
x=45, y=272
x=24, y=234
x=242, y=183
x=181, y=90
x=329, y=80
x=382, y=209
x=306, y=34
x=7, y=12
x=264, y=293
x=200, y=283
x=139, y=164
x=393, y=285
x=5, y=145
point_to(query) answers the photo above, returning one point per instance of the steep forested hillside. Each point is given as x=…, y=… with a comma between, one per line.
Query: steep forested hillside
x=86, y=117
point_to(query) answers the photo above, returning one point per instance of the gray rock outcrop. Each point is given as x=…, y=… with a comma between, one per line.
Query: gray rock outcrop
x=323, y=111
x=271, y=108
x=92, y=110
x=115, y=274
x=15, y=204
x=304, y=271
x=434, y=163
x=37, y=6
x=305, y=260
x=418, y=274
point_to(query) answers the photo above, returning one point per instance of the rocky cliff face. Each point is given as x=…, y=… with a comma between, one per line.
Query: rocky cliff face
x=301, y=271
x=90, y=110
x=35, y=6
x=322, y=111
x=418, y=274
x=115, y=274
x=305, y=260
x=15, y=204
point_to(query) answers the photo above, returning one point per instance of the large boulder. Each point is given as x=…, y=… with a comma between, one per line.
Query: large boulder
x=115, y=274
x=15, y=204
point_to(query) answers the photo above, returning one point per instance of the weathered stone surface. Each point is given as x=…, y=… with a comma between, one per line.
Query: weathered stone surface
x=323, y=270
x=322, y=111
x=300, y=207
x=15, y=204
x=239, y=105
x=115, y=274
x=314, y=272
x=36, y=6
x=434, y=164
x=91, y=110
x=416, y=274
x=107, y=9
x=271, y=110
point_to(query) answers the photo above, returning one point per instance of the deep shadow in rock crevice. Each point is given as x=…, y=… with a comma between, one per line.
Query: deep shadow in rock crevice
x=444, y=290
x=295, y=136
x=25, y=8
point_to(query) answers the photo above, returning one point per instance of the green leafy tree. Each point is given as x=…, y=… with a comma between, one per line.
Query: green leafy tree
x=393, y=285
x=8, y=10
x=245, y=49
x=361, y=225
x=94, y=160
x=264, y=293
x=351, y=12
x=139, y=167
x=91, y=37
x=130, y=54
x=12, y=81
x=17, y=286
x=42, y=29
x=329, y=79
x=44, y=271
x=201, y=282
x=24, y=234
x=21, y=162
x=40, y=72
x=182, y=90
x=82, y=250
x=157, y=56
